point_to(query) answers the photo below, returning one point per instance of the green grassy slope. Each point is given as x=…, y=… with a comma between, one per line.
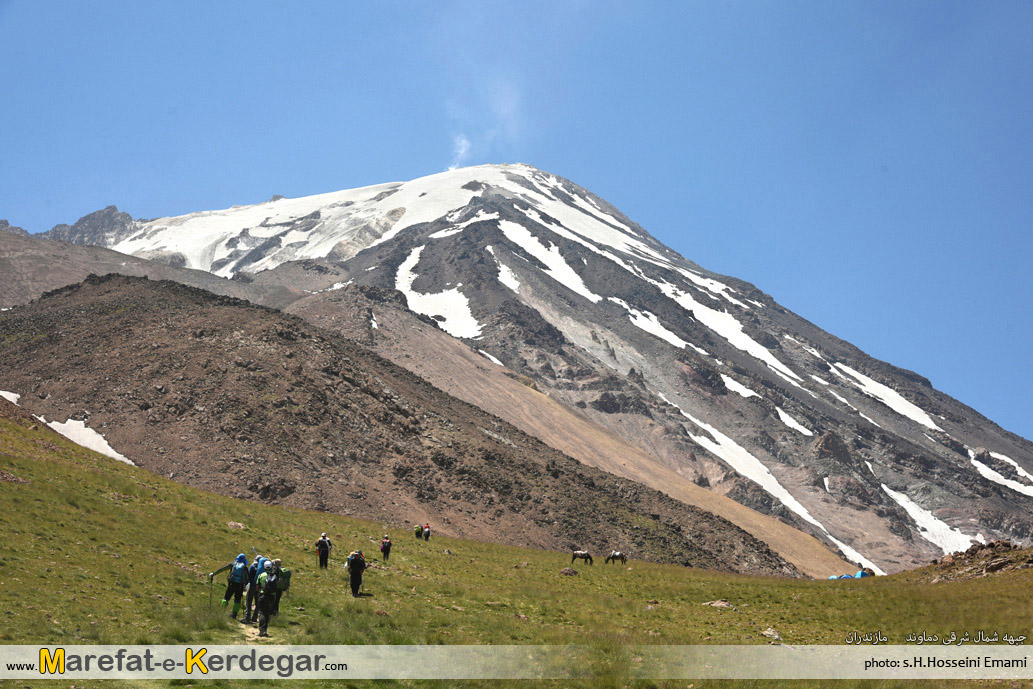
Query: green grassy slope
x=95, y=551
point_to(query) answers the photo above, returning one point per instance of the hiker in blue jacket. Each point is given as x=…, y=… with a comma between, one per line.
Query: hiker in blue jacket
x=251, y=603
x=235, y=583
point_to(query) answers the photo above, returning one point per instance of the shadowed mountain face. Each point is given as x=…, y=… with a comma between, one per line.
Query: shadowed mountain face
x=249, y=402
x=712, y=382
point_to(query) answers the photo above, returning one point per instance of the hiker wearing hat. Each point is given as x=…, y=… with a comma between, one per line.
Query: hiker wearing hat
x=385, y=547
x=356, y=565
x=426, y=532
x=267, y=589
x=235, y=583
x=323, y=547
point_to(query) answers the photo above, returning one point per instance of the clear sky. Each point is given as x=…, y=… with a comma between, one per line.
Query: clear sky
x=868, y=164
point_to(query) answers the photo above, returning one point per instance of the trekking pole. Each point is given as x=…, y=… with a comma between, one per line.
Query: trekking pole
x=211, y=588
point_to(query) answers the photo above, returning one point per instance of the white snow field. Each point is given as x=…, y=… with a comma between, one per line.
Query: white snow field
x=888, y=396
x=937, y=532
x=81, y=434
x=555, y=266
x=744, y=463
x=11, y=397
x=451, y=306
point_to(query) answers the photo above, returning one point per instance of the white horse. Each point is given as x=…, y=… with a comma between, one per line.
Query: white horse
x=616, y=555
x=581, y=555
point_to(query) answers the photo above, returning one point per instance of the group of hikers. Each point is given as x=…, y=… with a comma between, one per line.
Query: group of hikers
x=421, y=531
x=265, y=581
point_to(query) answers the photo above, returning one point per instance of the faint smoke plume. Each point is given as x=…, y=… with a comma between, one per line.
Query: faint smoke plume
x=460, y=151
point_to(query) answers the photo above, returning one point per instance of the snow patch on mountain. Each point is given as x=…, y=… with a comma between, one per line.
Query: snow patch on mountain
x=869, y=419
x=788, y=420
x=744, y=463
x=450, y=308
x=888, y=396
x=937, y=532
x=728, y=327
x=995, y=476
x=737, y=387
x=506, y=275
x=555, y=266
x=81, y=434
x=490, y=358
x=11, y=397
x=644, y=320
x=480, y=217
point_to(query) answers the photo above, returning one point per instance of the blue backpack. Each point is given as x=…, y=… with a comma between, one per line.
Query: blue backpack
x=238, y=575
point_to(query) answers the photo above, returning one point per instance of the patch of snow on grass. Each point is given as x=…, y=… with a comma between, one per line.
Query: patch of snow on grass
x=491, y=358
x=11, y=397
x=451, y=306
x=81, y=434
x=937, y=532
x=737, y=387
x=644, y=320
x=744, y=463
x=555, y=266
x=792, y=423
x=888, y=396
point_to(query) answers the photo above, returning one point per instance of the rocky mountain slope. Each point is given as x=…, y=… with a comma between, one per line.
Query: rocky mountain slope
x=249, y=402
x=706, y=375
x=31, y=265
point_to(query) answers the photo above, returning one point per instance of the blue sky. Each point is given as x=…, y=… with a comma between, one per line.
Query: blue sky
x=868, y=164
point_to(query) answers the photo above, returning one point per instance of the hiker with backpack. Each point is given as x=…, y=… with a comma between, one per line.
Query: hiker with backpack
x=251, y=602
x=235, y=583
x=268, y=586
x=418, y=531
x=426, y=532
x=283, y=583
x=355, y=565
x=323, y=547
x=385, y=547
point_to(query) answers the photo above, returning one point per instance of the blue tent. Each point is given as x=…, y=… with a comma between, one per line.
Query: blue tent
x=833, y=577
x=845, y=576
x=861, y=573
